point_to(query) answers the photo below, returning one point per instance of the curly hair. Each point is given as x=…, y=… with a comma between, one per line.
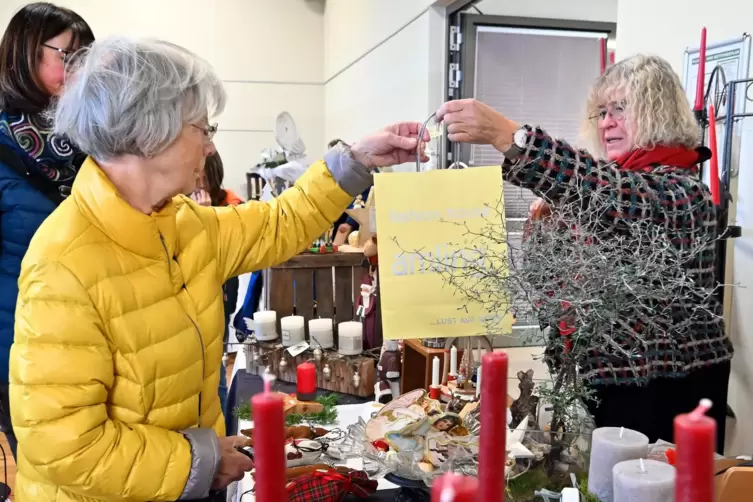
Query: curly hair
x=657, y=111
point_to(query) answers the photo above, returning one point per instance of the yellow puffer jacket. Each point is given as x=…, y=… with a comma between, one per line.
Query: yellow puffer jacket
x=119, y=330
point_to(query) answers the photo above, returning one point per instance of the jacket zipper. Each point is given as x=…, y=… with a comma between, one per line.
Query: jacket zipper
x=196, y=327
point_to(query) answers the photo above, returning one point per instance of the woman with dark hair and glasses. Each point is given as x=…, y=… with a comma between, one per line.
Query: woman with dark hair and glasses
x=37, y=167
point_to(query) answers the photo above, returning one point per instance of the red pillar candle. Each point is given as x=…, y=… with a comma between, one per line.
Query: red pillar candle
x=269, y=445
x=493, y=446
x=602, y=55
x=454, y=488
x=714, y=162
x=701, y=80
x=695, y=440
x=306, y=382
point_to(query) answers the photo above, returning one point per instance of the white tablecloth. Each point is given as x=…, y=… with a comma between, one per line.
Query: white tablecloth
x=346, y=414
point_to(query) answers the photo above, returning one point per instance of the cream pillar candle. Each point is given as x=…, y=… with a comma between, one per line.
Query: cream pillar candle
x=478, y=382
x=265, y=325
x=320, y=333
x=454, y=361
x=610, y=446
x=435, y=372
x=293, y=330
x=644, y=481
x=350, y=338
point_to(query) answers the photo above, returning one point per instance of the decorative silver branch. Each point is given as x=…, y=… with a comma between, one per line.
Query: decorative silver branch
x=582, y=269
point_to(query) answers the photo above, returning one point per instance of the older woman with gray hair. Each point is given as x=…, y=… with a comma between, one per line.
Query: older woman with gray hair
x=119, y=324
x=642, y=125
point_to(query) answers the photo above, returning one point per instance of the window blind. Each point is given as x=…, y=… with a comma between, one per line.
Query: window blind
x=536, y=77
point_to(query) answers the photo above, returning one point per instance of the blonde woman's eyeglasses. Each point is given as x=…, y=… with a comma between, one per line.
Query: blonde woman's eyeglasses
x=615, y=110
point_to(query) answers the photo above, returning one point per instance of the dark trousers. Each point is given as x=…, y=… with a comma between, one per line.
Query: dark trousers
x=651, y=409
x=5, y=423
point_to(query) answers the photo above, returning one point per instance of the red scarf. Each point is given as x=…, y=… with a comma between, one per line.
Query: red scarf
x=677, y=157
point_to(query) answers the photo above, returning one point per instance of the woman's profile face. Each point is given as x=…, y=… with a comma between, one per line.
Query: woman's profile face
x=51, y=65
x=182, y=163
x=613, y=132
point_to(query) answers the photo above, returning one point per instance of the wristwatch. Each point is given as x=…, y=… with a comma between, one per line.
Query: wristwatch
x=518, y=148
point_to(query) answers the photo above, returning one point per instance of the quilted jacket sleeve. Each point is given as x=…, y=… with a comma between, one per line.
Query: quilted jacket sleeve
x=257, y=235
x=61, y=370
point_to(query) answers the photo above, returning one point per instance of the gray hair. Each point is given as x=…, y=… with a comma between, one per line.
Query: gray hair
x=656, y=107
x=134, y=96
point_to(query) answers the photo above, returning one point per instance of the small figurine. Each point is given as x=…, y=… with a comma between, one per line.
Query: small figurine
x=367, y=309
x=303, y=452
x=527, y=404
x=389, y=367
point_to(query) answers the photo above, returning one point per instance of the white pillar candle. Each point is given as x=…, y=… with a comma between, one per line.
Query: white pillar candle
x=609, y=447
x=293, y=330
x=265, y=325
x=350, y=338
x=478, y=382
x=644, y=481
x=435, y=372
x=454, y=361
x=320, y=333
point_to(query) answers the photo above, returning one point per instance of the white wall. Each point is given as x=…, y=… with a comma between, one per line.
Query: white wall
x=270, y=53
x=383, y=62
x=675, y=25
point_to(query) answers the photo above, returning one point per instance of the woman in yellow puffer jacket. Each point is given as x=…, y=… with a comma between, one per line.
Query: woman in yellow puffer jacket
x=119, y=324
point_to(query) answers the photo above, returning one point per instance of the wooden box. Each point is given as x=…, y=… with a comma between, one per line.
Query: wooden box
x=417, y=365
x=322, y=285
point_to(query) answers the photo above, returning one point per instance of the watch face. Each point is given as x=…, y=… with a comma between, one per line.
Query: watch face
x=520, y=138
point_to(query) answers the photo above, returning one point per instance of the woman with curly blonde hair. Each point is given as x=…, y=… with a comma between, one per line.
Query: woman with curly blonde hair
x=642, y=127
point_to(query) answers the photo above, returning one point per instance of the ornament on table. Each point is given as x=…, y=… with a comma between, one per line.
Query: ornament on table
x=330, y=486
x=430, y=439
x=326, y=372
x=352, y=445
x=388, y=376
x=324, y=243
x=420, y=434
x=356, y=376
x=292, y=432
x=527, y=404
x=368, y=311
x=318, y=354
x=364, y=214
x=303, y=452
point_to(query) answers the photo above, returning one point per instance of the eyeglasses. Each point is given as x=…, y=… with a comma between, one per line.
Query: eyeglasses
x=64, y=53
x=209, y=130
x=615, y=110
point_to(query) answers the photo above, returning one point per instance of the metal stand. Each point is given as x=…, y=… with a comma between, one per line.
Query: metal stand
x=726, y=231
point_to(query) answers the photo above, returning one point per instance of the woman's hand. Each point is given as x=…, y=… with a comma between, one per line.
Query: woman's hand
x=201, y=197
x=395, y=144
x=539, y=209
x=471, y=121
x=343, y=230
x=233, y=464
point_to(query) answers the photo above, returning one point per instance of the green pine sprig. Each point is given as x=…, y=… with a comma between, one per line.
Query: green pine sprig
x=327, y=416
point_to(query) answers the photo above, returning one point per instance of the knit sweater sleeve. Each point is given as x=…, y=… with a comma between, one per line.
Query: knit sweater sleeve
x=555, y=170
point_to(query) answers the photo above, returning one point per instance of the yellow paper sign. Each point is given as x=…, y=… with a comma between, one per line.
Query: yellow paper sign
x=423, y=221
